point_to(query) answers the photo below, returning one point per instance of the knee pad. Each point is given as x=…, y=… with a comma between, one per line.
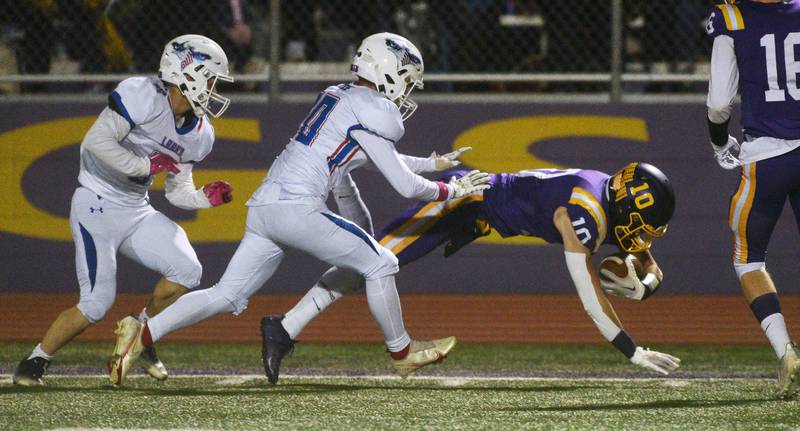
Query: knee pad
x=342, y=280
x=187, y=272
x=386, y=265
x=744, y=268
x=95, y=307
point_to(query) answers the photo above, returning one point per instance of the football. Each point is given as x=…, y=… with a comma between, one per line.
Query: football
x=615, y=263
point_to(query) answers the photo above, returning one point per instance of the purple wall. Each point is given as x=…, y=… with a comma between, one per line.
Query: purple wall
x=694, y=255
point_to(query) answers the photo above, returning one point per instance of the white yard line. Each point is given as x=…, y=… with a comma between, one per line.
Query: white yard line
x=234, y=379
x=128, y=429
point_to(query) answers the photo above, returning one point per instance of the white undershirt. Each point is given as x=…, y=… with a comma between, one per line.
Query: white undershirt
x=724, y=80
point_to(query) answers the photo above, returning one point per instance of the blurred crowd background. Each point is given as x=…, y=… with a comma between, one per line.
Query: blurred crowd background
x=560, y=38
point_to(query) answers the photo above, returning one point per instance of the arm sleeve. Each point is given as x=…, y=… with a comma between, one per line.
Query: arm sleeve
x=578, y=266
x=723, y=82
x=419, y=164
x=181, y=192
x=351, y=207
x=103, y=138
x=383, y=155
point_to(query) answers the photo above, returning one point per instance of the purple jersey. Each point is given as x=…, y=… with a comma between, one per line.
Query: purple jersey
x=766, y=40
x=524, y=203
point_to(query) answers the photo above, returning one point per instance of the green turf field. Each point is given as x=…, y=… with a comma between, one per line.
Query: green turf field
x=338, y=386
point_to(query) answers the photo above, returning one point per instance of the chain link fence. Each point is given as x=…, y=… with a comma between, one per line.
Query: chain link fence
x=515, y=46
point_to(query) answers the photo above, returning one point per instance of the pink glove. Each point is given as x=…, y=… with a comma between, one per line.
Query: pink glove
x=218, y=193
x=160, y=162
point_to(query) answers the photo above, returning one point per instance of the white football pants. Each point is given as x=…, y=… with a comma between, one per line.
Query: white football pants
x=100, y=228
x=313, y=229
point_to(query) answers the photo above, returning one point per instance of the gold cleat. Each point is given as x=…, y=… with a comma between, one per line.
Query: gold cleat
x=129, y=347
x=789, y=372
x=422, y=353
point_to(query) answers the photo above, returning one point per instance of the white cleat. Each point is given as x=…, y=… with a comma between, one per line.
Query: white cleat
x=789, y=372
x=422, y=353
x=129, y=347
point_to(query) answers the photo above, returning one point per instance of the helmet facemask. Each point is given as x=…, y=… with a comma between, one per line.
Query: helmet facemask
x=205, y=100
x=637, y=236
x=404, y=102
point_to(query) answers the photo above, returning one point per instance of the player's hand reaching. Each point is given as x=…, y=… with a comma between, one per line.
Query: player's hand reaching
x=218, y=193
x=661, y=363
x=449, y=160
x=724, y=154
x=473, y=181
x=160, y=162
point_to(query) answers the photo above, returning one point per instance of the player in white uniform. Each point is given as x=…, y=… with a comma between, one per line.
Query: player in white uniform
x=150, y=125
x=348, y=126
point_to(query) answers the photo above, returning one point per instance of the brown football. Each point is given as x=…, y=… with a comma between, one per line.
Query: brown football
x=616, y=264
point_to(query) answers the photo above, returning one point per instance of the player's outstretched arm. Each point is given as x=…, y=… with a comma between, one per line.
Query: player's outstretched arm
x=587, y=282
x=418, y=165
x=383, y=155
x=103, y=138
x=181, y=192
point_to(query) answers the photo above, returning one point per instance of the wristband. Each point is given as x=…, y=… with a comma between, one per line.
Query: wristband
x=624, y=343
x=444, y=191
x=651, y=283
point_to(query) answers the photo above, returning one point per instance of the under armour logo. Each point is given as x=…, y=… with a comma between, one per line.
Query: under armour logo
x=93, y=210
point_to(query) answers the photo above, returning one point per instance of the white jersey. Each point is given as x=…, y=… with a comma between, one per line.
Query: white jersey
x=144, y=104
x=347, y=126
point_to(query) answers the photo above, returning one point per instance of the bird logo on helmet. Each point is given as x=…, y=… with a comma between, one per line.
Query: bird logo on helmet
x=195, y=64
x=394, y=65
x=642, y=202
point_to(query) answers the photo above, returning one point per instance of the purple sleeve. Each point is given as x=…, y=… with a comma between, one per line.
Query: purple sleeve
x=585, y=226
x=715, y=26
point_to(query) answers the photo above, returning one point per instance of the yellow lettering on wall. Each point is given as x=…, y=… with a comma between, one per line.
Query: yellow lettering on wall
x=503, y=145
x=498, y=146
x=21, y=147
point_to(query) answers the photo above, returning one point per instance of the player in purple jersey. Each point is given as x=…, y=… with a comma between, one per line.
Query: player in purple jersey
x=580, y=209
x=757, y=50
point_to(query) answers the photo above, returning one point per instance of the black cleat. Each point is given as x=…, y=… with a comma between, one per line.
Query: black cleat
x=275, y=344
x=152, y=365
x=29, y=372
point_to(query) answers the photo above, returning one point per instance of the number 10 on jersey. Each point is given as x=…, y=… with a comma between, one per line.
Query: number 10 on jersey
x=308, y=130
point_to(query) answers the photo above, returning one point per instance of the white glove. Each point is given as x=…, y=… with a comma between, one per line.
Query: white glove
x=661, y=363
x=724, y=154
x=473, y=181
x=628, y=287
x=449, y=160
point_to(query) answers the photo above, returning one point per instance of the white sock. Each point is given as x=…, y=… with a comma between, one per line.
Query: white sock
x=187, y=310
x=775, y=328
x=39, y=353
x=143, y=317
x=310, y=306
x=384, y=304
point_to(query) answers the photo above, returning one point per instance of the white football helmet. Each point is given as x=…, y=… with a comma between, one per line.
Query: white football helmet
x=394, y=65
x=194, y=64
